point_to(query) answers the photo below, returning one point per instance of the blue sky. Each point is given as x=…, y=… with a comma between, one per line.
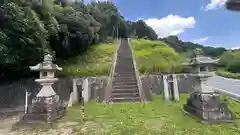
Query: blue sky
x=203, y=21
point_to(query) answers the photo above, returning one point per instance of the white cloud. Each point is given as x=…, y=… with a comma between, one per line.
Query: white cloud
x=200, y=40
x=234, y=48
x=170, y=25
x=102, y=0
x=214, y=4
x=96, y=0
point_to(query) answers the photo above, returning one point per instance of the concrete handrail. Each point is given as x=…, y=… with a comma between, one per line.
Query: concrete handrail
x=111, y=74
x=232, y=95
x=139, y=82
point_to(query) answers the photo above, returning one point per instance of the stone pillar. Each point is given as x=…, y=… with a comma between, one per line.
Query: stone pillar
x=74, y=97
x=165, y=86
x=175, y=88
x=86, y=92
x=70, y=103
x=75, y=90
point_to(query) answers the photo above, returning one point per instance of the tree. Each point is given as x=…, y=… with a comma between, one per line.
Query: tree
x=225, y=58
x=188, y=47
x=30, y=29
x=142, y=30
x=231, y=61
x=24, y=36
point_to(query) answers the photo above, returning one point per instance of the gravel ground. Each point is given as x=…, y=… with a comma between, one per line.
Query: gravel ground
x=61, y=129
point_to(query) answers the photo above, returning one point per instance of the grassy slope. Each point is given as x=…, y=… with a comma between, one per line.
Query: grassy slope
x=153, y=118
x=152, y=56
x=96, y=62
x=155, y=56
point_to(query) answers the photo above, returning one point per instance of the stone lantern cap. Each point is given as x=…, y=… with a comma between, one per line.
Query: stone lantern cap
x=199, y=58
x=46, y=65
x=203, y=60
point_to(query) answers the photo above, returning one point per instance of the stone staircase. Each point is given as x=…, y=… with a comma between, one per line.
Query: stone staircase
x=124, y=85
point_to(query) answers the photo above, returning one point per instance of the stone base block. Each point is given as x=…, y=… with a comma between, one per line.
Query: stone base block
x=44, y=110
x=209, y=108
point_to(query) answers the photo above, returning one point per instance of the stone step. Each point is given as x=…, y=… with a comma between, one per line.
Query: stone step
x=124, y=58
x=132, y=90
x=27, y=122
x=130, y=64
x=126, y=99
x=34, y=117
x=117, y=80
x=133, y=82
x=124, y=68
x=129, y=61
x=124, y=86
x=125, y=61
x=126, y=72
x=127, y=56
x=123, y=64
x=123, y=73
x=124, y=82
x=125, y=77
x=120, y=62
x=117, y=95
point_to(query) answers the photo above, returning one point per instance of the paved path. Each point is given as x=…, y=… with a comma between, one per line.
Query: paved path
x=225, y=84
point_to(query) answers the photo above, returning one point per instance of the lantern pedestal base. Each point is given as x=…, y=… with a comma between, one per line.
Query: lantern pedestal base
x=209, y=108
x=44, y=110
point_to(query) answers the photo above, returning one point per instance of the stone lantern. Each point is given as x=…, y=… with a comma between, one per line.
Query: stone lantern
x=46, y=106
x=204, y=102
x=47, y=76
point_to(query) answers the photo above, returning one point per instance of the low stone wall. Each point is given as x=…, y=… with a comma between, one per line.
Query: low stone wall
x=91, y=87
x=13, y=95
x=154, y=83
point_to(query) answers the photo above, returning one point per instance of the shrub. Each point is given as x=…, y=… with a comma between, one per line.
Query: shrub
x=96, y=62
x=227, y=74
x=231, y=61
x=156, y=56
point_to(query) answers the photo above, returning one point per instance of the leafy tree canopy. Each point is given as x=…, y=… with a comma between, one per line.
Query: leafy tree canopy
x=32, y=28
